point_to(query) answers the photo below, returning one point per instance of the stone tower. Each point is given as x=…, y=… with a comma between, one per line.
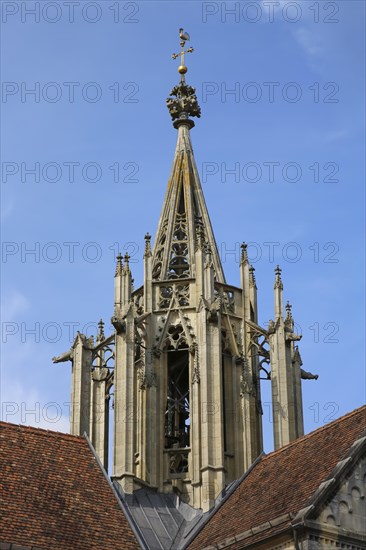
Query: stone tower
x=187, y=353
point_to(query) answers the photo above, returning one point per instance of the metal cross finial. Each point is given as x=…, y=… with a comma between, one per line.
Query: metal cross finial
x=183, y=104
x=182, y=69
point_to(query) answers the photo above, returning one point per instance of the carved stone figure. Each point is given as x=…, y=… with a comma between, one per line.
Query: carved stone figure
x=66, y=356
x=308, y=375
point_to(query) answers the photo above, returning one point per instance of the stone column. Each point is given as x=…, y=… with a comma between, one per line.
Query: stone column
x=124, y=382
x=80, y=385
x=212, y=426
x=250, y=419
x=287, y=419
x=99, y=403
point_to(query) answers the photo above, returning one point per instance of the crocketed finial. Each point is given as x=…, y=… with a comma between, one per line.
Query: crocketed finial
x=119, y=265
x=252, y=281
x=100, y=335
x=147, y=244
x=126, y=258
x=288, y=310
x=278, y=280
x=244, y=252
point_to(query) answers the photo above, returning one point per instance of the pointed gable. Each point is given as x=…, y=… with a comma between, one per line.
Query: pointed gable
x=55, y=495
x=280, y=486
x=346, y=508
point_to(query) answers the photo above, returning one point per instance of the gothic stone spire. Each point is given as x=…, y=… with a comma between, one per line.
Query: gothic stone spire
x=188, y=351
x=184, y=214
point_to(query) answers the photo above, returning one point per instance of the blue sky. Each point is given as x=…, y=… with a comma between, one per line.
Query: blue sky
x=296, y=112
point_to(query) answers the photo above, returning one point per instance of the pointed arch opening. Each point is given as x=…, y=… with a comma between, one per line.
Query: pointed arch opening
x=177, y=413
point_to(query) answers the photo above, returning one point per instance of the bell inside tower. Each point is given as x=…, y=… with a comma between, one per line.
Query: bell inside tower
x=177, y=413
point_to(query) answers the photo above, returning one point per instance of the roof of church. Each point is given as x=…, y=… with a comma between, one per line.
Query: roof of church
x=280, y=485
x=54, y=494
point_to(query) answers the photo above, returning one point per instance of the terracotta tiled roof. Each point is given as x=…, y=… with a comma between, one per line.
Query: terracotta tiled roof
x=54, y=494
x=281, y=483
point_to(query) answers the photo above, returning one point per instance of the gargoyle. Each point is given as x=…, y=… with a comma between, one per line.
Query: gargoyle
x=214, y=308
x=308, y=375
x=119, y=324
x=66, y=356
x=292, y=337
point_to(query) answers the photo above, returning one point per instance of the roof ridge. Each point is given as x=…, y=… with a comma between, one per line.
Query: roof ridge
x=314, y=432
x=41, y=431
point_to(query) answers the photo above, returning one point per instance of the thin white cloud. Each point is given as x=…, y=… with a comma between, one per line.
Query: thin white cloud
x=23, y=400
x=285, y=11
x=310, y=41
x=14, y=304
x=24, y=405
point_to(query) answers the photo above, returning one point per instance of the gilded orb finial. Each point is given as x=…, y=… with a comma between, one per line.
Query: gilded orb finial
x=184, y=102
x=184, y=37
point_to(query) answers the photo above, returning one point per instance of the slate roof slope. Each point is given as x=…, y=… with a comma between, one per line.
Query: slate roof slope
x=161, y=518
x=281, y=484
x=54, y=494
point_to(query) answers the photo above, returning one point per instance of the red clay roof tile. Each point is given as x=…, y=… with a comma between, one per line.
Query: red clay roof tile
x=282, y=482
x=54, y=494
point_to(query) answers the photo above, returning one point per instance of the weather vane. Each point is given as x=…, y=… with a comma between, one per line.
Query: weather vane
x=184, y=37
x=182, y=103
